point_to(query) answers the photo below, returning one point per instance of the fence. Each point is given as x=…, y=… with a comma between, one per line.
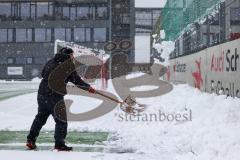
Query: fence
x=178, y=14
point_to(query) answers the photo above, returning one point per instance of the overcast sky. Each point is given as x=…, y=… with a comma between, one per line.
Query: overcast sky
x=150, y=3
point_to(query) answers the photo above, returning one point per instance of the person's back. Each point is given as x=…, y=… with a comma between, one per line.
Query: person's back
x=49, y=68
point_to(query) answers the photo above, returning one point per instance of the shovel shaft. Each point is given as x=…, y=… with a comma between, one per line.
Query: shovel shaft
x=108, y=97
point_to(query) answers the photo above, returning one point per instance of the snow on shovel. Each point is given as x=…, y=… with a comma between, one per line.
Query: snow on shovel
x=129, y=105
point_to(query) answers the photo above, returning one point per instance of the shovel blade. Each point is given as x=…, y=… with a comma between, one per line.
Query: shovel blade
x=130, y=106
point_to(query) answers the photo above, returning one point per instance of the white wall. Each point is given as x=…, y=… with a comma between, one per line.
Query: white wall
x=150, y=3
x=142, y=48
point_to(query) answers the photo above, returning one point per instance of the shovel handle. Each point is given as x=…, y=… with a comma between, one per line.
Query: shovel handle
x=108, y=97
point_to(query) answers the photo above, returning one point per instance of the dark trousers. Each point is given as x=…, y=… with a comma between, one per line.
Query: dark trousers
x=47, y=107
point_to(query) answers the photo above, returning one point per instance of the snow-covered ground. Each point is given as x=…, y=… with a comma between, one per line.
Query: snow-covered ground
x=210, y=130
x=8, y=155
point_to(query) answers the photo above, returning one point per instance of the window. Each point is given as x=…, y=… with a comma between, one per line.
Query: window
x=39, y=60
x=73, y=13
x=100, y=34
x=79, y=34
x=42, y=9
x=29, y=60
x=82, y=34
x=58, y=12
x=6, y=35
x=204, y=40
x=10, y=60
x=50, y=8
x=3, y=35
x=5, y=11
x=43, y=35
x=68, y=34
x=88, y=34
x=62, y=34
x=10, y=35
x=3, y=60
x=15, y=10
x=126, y=18
x=66, y=13
x=59, y=33
x=23, y=35
x=83, y=13
x=20, y=60
x=25, y=11
x=101, y=13
x=142, y=18
x=235, y=15
x=29, y=35
x=33, y=10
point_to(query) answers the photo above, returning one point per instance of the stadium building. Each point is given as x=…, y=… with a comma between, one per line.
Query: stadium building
x=28, y=30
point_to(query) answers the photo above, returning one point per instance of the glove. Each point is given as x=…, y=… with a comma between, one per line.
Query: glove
x=91, y=90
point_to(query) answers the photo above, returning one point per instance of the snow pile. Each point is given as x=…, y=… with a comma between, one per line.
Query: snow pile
x=211, y=130
x=80, y=50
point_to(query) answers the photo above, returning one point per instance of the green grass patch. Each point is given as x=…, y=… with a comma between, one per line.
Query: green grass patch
x=48, y=137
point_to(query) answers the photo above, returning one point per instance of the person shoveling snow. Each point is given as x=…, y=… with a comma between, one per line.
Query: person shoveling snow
x=49, y=98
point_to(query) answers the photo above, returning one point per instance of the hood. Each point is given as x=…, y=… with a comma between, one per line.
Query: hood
x=59, y=57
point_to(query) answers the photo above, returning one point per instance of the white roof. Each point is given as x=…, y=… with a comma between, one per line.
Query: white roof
x=150, y=3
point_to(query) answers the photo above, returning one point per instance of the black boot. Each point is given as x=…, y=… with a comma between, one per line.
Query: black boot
x=31, y=145
x=62, y=147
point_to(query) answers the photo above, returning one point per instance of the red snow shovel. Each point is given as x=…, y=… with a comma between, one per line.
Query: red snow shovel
x=129, y=105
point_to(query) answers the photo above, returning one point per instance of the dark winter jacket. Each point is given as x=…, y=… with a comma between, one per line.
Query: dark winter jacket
x=65, y=73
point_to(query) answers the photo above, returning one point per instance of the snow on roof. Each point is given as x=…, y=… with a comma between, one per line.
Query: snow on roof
x=150, y=3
